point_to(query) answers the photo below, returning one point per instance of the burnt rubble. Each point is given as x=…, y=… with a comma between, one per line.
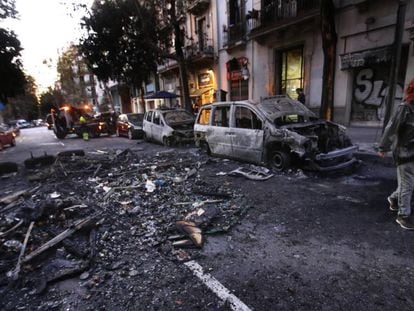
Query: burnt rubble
x=105, y=218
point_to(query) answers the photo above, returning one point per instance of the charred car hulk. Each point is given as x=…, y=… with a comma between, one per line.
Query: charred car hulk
x=277, y=131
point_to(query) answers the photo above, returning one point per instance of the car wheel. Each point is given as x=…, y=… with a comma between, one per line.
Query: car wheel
x=130, y=134
x=168, y=141
x=13, y=142
x=1, y=146
x=279, y=160
x=117, y=132
x=145, y=137
x=205, y=147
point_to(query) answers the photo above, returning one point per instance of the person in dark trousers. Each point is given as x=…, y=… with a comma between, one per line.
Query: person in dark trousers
x=301, y=95
x=398, y=136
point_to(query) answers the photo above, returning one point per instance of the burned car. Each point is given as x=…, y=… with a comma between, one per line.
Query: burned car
x=277, y=131
x=169, y=126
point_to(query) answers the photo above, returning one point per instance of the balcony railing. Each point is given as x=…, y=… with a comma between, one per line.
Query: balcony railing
x=235, y=33
x=277, y=11
x=201, y=48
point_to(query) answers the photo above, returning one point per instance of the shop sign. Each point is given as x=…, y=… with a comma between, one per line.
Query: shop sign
x=204, y=79
x=366, y=58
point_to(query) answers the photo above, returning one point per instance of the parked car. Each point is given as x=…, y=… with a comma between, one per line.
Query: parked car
x=22, y=124
x=277, y=131
x=6, y=137
x=12, y=126
x=169, y=126
x=130, y=125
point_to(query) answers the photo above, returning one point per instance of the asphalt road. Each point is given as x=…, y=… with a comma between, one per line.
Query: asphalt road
x=40, y=140
x=308, y=242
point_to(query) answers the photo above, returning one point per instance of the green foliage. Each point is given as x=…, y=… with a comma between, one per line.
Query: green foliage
x=122, y=40
x=25, y=105
x=12, y=79
x=72, y=70
x=53, y=98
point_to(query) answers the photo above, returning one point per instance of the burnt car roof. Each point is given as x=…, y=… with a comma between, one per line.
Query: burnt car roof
x=274, y=106
x=280, y=105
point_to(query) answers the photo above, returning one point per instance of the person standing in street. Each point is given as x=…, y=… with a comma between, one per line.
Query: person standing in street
x=398, y=136
x=301, y=95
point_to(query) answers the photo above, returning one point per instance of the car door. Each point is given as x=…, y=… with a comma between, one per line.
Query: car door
x=247, y=137
x=157, y=126
x=218, y=135
x=147, y=124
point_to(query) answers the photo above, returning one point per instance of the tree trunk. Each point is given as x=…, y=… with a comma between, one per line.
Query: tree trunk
x=142, y=100
x=182, y=65
x=329, y=40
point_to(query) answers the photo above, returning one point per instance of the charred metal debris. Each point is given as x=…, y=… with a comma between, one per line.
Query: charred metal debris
x=84, y=213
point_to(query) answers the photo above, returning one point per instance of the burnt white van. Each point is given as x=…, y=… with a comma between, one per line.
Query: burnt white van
x=277, y=131
x=168, y=126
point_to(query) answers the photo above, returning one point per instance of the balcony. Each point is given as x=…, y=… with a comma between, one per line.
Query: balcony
x=198, y=7
x=236, y=34
x=200, y=51
x=276, y=14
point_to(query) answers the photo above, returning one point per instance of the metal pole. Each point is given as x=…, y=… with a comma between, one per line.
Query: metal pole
x=395, y=61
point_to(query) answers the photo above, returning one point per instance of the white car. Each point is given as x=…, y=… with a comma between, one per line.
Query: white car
x=169, y=126
x=22, y=124
x=276, y=131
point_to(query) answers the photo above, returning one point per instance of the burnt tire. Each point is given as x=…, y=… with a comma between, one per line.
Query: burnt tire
x=145, y=137
x=69, y=153
x=279, y=160
x=39, y=161
x=205, y=147
x=168, y=141
x=8, y=167
x=13, y=142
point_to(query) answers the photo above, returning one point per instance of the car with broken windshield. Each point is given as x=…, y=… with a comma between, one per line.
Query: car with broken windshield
x=169, y=126
x=276, y=131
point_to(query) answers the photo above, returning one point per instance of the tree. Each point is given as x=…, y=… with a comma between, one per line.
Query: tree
x=329, y=40
x=121, y=41
x=174, y=29
x=25, y=105
x=71, y=69
x=12, y=78
x=52, y=98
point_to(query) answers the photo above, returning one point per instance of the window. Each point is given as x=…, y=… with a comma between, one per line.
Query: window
x=247, y=119
x=204, y=116
x=290, y=71
x=221, y=116
x=156, y=118
x=239, y=89
x=149, y=116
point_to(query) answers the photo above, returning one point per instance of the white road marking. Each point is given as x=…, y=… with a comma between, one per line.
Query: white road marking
x=223, y=293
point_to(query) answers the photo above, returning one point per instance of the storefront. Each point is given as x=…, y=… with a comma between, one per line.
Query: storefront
x=370, y=71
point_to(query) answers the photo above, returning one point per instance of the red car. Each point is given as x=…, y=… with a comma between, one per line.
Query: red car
x=6, y=137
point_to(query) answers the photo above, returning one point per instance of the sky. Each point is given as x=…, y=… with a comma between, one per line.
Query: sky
x=45, y=28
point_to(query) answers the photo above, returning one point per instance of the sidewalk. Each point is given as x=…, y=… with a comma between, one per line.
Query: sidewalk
x=367, y=140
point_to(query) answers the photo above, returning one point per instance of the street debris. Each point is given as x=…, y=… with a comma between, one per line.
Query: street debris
x=109, y=214
x=253, y=172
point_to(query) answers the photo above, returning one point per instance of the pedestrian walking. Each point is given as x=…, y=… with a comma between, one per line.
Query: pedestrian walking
x=398, y=137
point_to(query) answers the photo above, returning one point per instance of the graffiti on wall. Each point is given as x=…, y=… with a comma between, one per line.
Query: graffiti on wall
x=370, y=93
